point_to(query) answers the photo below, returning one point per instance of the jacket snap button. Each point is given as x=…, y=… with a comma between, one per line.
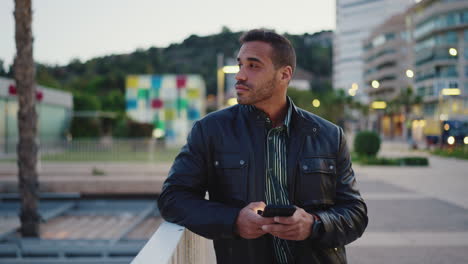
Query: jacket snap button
x=216, y=163
x=331, y=167
x=242, y=162
x=314, y=129
x=305, y=167
x=336, y=249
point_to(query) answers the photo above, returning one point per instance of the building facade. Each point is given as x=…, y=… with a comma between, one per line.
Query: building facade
x=354, y=21
x=54, y=109
x=439, y=31
x=387, y=74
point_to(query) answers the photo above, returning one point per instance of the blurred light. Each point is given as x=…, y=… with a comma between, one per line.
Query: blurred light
x=375, y=84
x=409, y=73
x=451, y=91
x=158, y=133
x=352, y=92
x=465, y=140
x=422, y=123
x=446, y=127
x=453, y=51
x=443, y=117
x=231, y=69
x=451, y=140
x=379, y=105
x=354, y=86
x=415, y=123
x=232, y=101
x=316, y=103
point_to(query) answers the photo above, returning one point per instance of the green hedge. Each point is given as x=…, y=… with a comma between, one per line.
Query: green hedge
x=403, y=161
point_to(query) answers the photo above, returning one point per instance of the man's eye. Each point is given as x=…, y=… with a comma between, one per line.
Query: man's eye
x=252, y=65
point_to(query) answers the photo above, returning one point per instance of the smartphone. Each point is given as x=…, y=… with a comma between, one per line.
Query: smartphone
x=273, y=210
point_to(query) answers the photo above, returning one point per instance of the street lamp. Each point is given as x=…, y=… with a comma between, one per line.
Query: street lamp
x=453, y=52
x=409, y=73
x=375, y=84
x=316, y=103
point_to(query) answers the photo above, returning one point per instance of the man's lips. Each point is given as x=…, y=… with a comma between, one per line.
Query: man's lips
x=240, y=87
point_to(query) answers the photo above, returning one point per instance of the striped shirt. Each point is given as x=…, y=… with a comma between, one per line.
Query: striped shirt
x=276, y=189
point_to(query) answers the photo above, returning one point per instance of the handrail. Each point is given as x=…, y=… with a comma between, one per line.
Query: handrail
x=174, y=244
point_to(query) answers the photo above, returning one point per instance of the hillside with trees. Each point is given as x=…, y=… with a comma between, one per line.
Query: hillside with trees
x=99, y=83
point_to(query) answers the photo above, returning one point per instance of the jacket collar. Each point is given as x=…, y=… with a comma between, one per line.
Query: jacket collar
x=295, y=118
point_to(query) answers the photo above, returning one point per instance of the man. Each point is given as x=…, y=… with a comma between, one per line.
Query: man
x=264, y=151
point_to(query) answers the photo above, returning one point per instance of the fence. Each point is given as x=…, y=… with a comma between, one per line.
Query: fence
x=105, y=149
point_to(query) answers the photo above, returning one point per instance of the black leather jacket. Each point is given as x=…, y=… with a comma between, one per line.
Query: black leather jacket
x=225, y=155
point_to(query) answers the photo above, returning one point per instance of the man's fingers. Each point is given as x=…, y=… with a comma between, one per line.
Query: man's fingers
x=285, y=220
x=278, y=228
x=261, y=221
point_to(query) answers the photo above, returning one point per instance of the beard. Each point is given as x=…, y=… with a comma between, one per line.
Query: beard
x=256, y=93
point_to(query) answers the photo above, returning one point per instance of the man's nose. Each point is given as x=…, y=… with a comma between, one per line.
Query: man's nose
x=240, y=75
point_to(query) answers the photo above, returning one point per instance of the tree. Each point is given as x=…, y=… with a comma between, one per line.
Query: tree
x=407, y=99
x=2, y=70
x=27, y=119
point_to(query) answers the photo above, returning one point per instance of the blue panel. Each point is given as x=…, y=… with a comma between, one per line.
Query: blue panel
x=131, y=104
x=156, y=82
x=193, y=114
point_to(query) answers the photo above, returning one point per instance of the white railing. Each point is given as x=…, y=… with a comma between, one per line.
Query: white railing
x=174, y=244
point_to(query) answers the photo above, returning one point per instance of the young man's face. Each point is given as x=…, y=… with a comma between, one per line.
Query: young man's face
x=257, y=79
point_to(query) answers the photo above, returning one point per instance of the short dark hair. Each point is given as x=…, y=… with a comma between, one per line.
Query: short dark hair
x=283, y=52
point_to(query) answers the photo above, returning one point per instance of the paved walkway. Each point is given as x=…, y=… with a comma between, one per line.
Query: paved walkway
x=417, y=215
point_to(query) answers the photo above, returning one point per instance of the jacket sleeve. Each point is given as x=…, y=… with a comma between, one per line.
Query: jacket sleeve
x=346, y=220
x=182, y=200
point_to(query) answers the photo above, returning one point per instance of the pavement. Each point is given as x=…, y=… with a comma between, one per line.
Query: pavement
x=416, y=214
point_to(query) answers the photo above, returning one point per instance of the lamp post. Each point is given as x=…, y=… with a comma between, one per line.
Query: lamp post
x=220, y=80
x=221, y=72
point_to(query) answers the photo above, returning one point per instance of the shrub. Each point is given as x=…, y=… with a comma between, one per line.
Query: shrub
x=367, y=143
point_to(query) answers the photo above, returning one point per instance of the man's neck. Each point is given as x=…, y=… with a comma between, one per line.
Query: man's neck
x=275, y=111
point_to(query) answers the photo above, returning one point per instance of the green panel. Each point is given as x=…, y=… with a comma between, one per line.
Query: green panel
x=143, y=93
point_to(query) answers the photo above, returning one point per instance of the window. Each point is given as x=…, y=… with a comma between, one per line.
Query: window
x=453, y=84
x=429, y=109
x=421, y=91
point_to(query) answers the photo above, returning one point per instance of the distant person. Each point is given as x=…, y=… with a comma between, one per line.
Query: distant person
x=266, y=151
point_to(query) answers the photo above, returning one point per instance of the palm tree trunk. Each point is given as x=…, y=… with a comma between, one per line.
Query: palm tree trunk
x=24, y=73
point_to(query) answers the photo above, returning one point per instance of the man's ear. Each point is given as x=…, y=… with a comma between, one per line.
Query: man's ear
x=286, y=73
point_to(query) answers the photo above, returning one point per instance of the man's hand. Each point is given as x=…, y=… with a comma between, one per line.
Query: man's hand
x=249, y=223
x=295, y=227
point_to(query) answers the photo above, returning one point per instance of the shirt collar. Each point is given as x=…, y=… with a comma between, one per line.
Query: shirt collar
x=287, y=118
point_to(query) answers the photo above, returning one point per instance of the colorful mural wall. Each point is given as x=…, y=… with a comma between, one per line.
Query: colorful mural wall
x=170, y=102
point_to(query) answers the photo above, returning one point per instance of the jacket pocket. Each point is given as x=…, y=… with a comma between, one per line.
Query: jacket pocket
x=231, y=175
x=317, y=182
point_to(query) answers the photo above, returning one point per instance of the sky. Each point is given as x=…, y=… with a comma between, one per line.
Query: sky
x=82, y=29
